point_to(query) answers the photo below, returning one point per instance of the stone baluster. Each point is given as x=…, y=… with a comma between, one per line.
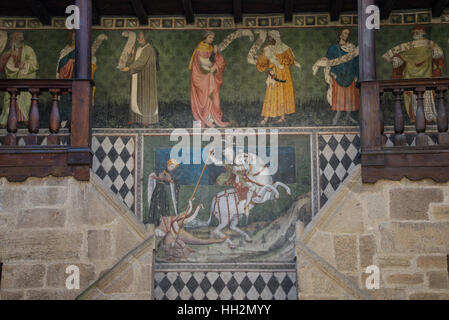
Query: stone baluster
x=399, y=136
x=55, y=120
x=421, y=138
x=33, y=120
x=443, y=135
x=11, y=126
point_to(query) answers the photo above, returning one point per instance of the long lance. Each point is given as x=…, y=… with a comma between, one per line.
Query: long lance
x=193, y=196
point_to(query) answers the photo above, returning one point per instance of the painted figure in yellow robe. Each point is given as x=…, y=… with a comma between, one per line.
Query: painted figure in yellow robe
x=276, y=59
x=420, y=58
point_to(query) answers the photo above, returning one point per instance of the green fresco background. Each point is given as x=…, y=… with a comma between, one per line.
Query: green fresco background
x=243, y=88
x=265, y=212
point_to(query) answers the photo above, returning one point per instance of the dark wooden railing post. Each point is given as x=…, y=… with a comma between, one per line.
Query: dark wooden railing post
x=443, y=136
x=82, y=89
x=11, y=125
x=367, y=43
x=83, y=35
x=33, y=118
x=371, y=134
x=399, y=137
x=55, y=119
x=421, y=138
x=80, y=129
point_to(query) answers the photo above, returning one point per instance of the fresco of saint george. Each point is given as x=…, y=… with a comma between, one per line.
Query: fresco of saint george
x=207, y=66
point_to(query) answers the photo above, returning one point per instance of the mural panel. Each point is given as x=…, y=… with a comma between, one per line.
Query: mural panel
x=288, y=77
x=219, y=206
x=222, y=212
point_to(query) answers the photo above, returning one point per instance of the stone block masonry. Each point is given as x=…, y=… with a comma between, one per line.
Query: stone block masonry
x=49, y=224
x=400, y=227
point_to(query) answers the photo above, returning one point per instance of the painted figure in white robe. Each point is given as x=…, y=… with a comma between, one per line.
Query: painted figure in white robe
x=143, y=65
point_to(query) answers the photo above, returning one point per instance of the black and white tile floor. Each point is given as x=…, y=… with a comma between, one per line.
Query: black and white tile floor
x=226, y=285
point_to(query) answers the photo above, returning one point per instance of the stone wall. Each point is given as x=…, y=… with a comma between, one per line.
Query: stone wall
x=51, y=223
x=401, y=227
x=131, y=278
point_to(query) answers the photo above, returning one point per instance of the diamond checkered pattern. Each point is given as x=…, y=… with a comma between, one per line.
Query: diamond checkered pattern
x=411, y=139
x=232, y=285
x=42, y=140
x=113, y=162
x=339, y=154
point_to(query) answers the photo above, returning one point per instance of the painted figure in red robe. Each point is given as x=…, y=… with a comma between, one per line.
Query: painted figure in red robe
x=207, y=66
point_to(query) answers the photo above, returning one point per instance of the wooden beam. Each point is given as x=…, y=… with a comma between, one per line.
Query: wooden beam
x=81, y=130
x=386, y=7
x=237, y=8
x=40, y=11
x=83, y=36
x=288, y=10
x=18, y=163
x=140, y=11
x=370, y=120
x=188, y=11
x=335, y=9
x=438, y=7
x=96, y=13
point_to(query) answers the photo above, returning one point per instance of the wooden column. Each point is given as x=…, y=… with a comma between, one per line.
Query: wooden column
x=82, y=86
x=83, y=41
x=370, y=124
x=81, y=130
x=367, y=44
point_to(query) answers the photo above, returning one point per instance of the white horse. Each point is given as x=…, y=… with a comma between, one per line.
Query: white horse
x=226, y=206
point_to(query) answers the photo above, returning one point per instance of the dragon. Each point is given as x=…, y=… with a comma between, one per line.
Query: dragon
x=175, y=239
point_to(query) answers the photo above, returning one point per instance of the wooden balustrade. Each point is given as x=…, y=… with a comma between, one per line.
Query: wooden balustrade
x=20, y=162
x=415, y=162
x=436, y=88
x=17, y=163
x=36, y=88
